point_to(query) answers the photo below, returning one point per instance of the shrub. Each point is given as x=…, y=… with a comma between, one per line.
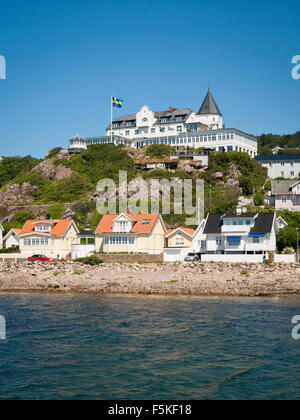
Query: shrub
x=259, y=199
x=93, y=260
x=158, y=150
x=287, y=237
x=53, y=152
x=288, y=250
x=79, y=272
x=245, y=273
x=57, y=211
x=11, y=167
x=267, y=261
x=10, y=250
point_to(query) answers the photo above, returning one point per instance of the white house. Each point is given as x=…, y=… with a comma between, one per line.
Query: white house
x=12, y=238
x=240, y=237
x=281, y=166
x=175, y=127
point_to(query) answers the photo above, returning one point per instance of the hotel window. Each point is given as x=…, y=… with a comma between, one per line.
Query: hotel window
x=293, y=199
x=179, y=118
x=152, y=130
x=282, y=163
x=127, y=133
x=283, y=199
x=179, y=129
x=282, y=173
x=164, y=120
x=292, y=173
x=256, y=240
x=137, y=132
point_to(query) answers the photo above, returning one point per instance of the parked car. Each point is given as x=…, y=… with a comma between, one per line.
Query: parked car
x=39, y=257
x=192, y=256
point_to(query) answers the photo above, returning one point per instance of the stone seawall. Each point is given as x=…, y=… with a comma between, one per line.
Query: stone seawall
x=198, y=279
x=131, y=258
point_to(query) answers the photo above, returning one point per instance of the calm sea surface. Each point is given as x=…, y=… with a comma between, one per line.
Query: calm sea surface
x=78, y=347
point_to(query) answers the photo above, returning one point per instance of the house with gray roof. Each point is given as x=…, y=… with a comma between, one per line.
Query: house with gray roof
x=285, y=195
x=237, y=237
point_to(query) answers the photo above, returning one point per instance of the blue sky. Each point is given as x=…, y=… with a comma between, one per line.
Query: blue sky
x=65, y=58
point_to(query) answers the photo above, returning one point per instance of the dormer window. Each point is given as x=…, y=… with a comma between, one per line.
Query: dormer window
x=122, y=226
x=42, y=228
x=146, y=222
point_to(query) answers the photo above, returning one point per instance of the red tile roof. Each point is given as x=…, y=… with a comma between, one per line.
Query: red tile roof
x=187, y=230
x=106, y=223
x=59, y=227
x=17, y=231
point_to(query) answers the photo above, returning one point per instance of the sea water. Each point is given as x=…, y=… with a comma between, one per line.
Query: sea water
x=123, y=347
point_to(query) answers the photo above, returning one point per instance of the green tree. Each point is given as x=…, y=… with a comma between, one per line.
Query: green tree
x=287, y=237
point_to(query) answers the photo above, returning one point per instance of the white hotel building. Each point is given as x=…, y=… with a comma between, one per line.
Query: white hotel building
x=174, y=127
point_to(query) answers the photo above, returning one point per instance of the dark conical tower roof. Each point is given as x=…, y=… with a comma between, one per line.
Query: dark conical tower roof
x=209, y=105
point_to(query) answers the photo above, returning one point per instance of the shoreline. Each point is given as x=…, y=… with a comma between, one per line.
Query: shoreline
x=166, y=279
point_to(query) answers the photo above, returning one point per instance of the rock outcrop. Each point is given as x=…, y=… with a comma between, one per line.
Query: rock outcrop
x=16, y=194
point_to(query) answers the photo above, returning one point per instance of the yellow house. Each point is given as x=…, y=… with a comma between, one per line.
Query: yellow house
x=178, y=243
x=179, y=238
x=52, y=238
x=130, y=233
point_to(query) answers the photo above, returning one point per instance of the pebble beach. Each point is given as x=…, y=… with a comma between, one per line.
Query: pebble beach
x=199, y=279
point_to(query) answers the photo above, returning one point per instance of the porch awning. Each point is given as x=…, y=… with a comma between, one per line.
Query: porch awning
x=233, y=238
x=256, y=235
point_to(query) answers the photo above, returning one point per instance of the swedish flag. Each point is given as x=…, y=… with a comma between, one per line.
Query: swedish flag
x=117, y=103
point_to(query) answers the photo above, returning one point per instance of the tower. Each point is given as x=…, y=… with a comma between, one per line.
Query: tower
x=210, y=113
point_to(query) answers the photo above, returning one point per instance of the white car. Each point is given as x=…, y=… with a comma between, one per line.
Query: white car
x=192, y=256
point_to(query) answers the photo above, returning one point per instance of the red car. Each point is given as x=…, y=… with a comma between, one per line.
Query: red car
x=39, y=258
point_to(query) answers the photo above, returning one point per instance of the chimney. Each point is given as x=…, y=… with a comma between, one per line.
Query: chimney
x=48, y=216
x=239, y=210
x=170, y=109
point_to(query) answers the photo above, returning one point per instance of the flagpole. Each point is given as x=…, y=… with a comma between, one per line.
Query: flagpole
x=111, y=118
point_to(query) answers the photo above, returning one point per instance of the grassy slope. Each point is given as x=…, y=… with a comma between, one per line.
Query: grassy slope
x=105, y=161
